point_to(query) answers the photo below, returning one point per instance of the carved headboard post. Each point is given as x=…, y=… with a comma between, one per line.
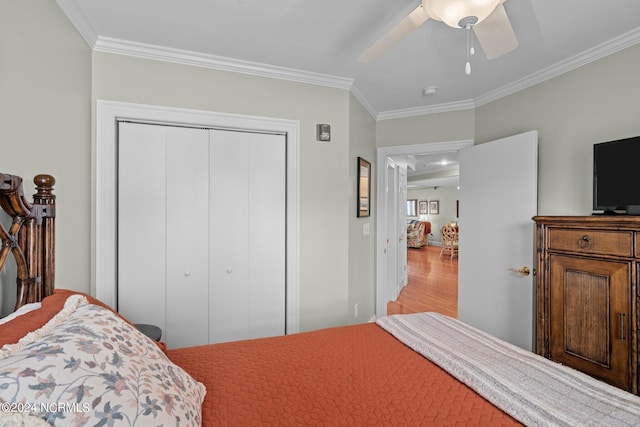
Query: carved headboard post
x=43, y=215
x=31, y=236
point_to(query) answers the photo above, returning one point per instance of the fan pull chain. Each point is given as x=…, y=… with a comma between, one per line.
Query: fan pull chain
x=470, y=50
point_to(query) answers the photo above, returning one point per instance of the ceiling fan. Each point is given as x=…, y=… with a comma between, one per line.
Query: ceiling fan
x=487, y=18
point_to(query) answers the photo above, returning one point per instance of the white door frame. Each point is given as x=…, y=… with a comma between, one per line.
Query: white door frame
x=381, y=204
x=105, y=209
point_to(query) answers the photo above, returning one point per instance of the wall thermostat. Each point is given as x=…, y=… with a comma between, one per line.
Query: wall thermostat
x=323, y=132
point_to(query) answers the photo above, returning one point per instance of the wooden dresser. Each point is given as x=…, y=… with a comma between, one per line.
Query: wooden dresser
x=587, y=293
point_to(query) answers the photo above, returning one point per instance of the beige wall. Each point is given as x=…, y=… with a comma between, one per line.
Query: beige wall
x=447, y=197
x=50, y=83
x=51, y=80
x=440, y=127
x=45, y=111
x=325, y=200
x=595, y=103
x=361, y=247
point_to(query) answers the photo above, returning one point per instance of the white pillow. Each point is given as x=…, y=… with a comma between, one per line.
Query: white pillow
x=19, y=312
x=87, y=366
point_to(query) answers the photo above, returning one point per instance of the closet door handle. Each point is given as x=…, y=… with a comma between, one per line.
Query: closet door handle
x=622, y=319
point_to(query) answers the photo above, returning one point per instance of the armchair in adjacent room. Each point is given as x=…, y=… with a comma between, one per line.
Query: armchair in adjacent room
x=418, y=234
x=449, y=235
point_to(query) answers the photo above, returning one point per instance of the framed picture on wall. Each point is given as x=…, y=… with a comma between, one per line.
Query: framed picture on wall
x=434, y=207
x=364, y=187
x=422, y=207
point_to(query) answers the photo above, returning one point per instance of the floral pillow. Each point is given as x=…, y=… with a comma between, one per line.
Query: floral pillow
x=87, y=366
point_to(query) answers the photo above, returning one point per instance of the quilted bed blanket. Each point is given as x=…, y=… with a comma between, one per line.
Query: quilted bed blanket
x=357, y=375
x=530, y=388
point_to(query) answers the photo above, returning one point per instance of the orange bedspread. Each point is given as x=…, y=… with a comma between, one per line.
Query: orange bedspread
x=352, y=376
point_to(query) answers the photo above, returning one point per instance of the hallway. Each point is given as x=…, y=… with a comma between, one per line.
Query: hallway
x=432, y=284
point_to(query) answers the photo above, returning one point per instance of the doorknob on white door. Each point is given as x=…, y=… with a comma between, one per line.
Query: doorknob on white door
x=524, y=270
x=229, y=270
x=187, y=273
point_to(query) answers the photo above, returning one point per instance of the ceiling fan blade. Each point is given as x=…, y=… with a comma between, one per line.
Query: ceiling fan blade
x=393, y=37
x=495, y=34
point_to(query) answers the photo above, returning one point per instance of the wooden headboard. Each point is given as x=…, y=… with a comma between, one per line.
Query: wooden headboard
x=31, y=236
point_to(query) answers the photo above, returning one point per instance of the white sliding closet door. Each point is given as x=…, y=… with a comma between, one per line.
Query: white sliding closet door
x=248, y=219
x=202, y=232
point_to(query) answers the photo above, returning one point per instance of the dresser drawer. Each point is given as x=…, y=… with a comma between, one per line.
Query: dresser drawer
x=618, y=243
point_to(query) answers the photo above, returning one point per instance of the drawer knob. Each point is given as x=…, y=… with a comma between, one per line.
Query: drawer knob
x=585, y=242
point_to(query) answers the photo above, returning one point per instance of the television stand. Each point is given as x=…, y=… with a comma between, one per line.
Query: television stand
x=587, y=294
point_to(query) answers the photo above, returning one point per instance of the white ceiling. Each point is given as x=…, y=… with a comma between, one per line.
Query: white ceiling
x=434, y=170
x=320, y=41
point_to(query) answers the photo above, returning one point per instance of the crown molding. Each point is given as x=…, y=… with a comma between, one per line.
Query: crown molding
x=124, y=47
x=187, y=57
x=79, y=20
x=429, y=109
x=364, y=101
x=448, y=181
x=598, y=52
x=160, y=53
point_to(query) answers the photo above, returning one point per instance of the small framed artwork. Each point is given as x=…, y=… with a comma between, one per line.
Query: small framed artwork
x=364, y=187
x=434, y=207
x=422, y=207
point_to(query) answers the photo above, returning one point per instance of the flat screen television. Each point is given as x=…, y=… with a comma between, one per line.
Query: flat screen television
x=616, y=176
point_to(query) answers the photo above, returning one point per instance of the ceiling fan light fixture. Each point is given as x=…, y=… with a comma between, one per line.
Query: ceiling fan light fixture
x=454, y=12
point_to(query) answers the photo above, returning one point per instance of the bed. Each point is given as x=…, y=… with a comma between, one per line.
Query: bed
x=67, y=359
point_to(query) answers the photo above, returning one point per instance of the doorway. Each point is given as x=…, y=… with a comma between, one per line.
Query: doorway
x=384, y=244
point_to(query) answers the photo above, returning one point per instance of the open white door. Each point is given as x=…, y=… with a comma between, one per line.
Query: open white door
x=390, y=249
x=401, y=227
x=498, y=198
x=395, y=232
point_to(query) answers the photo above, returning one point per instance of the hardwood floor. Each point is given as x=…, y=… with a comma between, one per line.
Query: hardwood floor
x=432, y=284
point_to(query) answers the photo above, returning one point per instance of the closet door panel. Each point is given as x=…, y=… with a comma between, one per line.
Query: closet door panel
x=267, y=231
x=202, y=233
x=141, y=223
x=229, y=238
x=187, y=242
